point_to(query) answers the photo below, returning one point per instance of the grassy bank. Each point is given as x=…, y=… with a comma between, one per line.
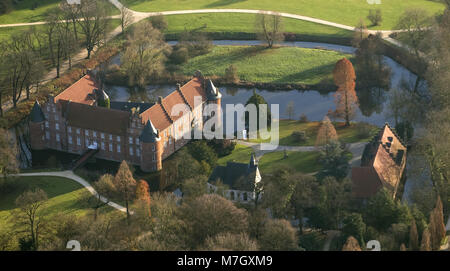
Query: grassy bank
x=304, y=162
x=258, y=64
x=23, y=12
x=345, y=12
x=241, y=154
x=64, y=196
x=241, y=26
x=346, y=134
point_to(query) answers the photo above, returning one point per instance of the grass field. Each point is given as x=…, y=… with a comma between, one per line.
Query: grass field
x=7, y=32
x=286, y=127
x=23, y=12
x=241, y=154
x=259, y=64
x=339, y=11
x=64, y=196
x=237, y=22
x=305, y=162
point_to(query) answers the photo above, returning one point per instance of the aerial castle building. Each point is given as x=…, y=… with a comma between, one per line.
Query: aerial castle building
x=83, y=118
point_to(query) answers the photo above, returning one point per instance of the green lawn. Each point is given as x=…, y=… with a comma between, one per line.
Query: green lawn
x=241, y=154
x=23, y=12
x=286, y=127
x=259, y=64
x=305, y=162
x=237, y=22
x=64, y=196
x=340, y=11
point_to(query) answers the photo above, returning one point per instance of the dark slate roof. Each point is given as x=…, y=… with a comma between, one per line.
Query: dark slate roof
x=149, y=133
x=101, y=95
x=36, y=114
x=211, y=91
x=95, y=117
x=127, y=106
x=237, y=176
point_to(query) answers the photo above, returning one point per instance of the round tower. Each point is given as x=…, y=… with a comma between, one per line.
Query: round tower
x=214, y=97
x=151, y=148
x=37, y=127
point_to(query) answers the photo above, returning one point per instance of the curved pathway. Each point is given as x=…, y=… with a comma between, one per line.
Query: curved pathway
x=70, y=175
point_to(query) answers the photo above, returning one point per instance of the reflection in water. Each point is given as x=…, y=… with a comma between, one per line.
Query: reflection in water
x=313, y=104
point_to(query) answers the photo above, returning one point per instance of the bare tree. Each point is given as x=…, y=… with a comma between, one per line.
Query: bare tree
x=30, y=204
x=145, y=53
x=93, y=23
x=269, y=27
x=126, y=17
x=290, y=109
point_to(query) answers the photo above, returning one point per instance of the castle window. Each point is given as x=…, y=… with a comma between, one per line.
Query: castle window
x=118, y=138
x=118, y=148
x=153, y=147
x=154, y=157
x=110, y=147
x=56, y=117
x=57, y=126
x=110, y=137
x=232, y=195
x=78, y=131
x=78, y=141
x=95, y=134
x=245, y=196
x=57, y=138
x=103, y=146
x=86, y=132
x=170, y=140
x=130, y=140
x=86, y=142
x=102, y=135
x=137, y=141
x=46, y=124
x=47, y=135
x=53, y=109
x=70, y=139
x=69, y=129
x=131, y=151
x=138, y=153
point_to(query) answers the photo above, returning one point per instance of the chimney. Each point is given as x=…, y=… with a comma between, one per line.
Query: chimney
x=178, y=86
x=160, y=99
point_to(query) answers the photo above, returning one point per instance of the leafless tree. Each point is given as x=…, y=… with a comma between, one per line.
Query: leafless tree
x=269, y=27
x=126, y=17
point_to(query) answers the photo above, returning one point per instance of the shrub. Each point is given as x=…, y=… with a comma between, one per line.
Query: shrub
x=5, y=6
x=303, y=118
x=222, y=147
x=313, y=241
x=159, y=22
x=363, y=130
x=375, y=17
x=231, y=75
x=299, y=136
x=180, y=55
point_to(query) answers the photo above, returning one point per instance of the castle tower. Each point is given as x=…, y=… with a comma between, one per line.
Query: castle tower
x=151, y=148
x=214, y=97
x=37, y=127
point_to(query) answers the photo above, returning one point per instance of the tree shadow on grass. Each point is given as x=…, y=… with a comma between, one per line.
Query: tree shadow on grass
x=221, y=3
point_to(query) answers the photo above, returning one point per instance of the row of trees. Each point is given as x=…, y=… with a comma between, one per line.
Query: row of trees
x=68, y=27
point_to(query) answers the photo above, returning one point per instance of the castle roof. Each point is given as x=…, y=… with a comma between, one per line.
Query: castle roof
x=36, y=114
x=149, y=134
x=382, y=164
x=96, y=118
x=82, y=91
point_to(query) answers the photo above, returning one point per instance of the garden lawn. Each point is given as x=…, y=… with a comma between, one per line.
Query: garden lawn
x=239, y=22
x=286, y=127
x=259, y=64
x=64, y=196
x=23, y=12
x=346, y=12
x=305, y=162
x=240, y=154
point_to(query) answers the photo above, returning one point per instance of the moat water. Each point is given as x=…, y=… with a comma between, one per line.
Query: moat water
x=312, y=103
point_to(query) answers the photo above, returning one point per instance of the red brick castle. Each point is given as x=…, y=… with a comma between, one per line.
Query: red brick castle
x=82, y=119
